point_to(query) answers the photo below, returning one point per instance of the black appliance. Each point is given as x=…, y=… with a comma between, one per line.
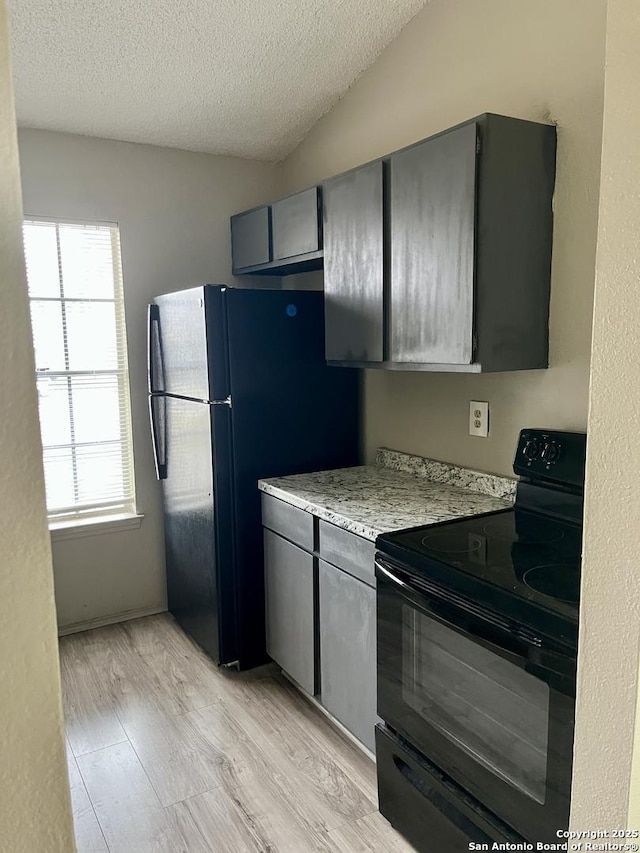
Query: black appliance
x=477, y=626
x=238, y=390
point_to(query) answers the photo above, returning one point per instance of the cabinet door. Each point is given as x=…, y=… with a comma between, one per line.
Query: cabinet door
x=295, y=223
x=348, y=651
x=432, y=210
x=352, y=207
x=250, y=238
x=289, y=602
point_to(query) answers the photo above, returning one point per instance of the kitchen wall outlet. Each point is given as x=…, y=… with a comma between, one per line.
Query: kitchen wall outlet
x=478, y=419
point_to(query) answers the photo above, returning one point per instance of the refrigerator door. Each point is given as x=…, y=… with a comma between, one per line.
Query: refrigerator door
x=158, y=419
x=291, y=414
x=191, y=366
x=194, y=494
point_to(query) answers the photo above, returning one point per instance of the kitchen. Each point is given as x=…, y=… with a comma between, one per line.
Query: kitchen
x=399, y=410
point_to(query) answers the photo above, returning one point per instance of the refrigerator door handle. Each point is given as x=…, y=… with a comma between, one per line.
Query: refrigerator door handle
x=226, y=402
x=159, y=433
x=154, y=351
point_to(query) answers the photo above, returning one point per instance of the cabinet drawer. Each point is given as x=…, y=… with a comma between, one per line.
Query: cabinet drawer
x=250, y=243
x=289, y=609
x=428, y=808
x=295, y=225
x=289, y=521
x=349, y=552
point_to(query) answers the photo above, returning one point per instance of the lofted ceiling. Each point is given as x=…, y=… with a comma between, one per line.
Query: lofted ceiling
x=242, y=77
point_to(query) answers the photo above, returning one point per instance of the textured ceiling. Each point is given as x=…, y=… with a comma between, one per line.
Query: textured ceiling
x=243, y=77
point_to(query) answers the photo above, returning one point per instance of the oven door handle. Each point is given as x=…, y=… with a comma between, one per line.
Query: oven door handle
x=508, y=647
x=395, y=580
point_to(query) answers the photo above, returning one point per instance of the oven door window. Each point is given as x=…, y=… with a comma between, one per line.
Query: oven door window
x=487, y=706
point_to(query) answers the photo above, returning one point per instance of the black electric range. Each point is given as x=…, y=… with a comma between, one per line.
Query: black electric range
x=519, y=563
x=477, y=642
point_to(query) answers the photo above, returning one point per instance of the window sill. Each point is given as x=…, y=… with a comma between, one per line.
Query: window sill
x=94, y=526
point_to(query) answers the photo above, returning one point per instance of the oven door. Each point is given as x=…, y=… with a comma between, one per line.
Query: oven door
x=489, y=704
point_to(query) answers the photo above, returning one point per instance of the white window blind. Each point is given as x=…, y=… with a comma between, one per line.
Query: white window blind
x=77, y=312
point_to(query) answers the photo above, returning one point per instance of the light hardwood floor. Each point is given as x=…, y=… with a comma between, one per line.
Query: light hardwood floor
x=169, y=753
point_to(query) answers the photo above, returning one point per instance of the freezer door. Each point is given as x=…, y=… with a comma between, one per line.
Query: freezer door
x=191, y=339
x=155, y=376
x=193, y=545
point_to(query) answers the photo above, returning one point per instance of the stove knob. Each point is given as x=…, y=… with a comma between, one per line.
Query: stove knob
x=531, y=449
x=550, y=452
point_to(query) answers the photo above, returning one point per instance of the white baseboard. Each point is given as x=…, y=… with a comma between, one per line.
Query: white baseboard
x=102, y=621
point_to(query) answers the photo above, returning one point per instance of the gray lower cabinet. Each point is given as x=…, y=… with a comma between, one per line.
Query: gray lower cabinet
x=347, y=615
x=321, y=612
x=289, y=601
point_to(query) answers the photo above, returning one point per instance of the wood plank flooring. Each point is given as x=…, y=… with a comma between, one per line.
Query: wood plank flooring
x=168, y=753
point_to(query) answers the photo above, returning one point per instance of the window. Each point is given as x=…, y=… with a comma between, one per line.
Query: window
x=77, y=315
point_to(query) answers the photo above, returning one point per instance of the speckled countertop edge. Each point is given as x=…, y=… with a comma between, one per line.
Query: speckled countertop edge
x=409, y=491
x=444, y=472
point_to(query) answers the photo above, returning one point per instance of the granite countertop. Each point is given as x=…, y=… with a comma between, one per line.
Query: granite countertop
x=400, y=490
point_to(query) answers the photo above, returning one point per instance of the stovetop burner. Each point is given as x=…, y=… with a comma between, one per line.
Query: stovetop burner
x=531, y=556
x=556, y=581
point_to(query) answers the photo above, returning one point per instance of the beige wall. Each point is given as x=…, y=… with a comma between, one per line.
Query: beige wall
x=456, y=59
x=173, y=210
x=610, y=604
x=633, y=807
x=34, y=792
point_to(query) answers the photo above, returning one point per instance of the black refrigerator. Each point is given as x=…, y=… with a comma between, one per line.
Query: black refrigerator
x=238, y=390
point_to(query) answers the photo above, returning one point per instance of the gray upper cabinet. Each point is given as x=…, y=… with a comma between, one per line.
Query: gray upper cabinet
x=296, y=224
x=354, y=265
x=432, y=220
x=471, y=222
x=251, y=238
x=436, y=257
x=514, y=216
x=451, y=270
x=279, y=239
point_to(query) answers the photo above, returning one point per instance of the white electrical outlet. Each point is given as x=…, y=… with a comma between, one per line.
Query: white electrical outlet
x=478, y=419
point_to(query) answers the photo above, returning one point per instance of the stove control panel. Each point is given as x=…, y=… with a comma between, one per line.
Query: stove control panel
x=551, y=455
